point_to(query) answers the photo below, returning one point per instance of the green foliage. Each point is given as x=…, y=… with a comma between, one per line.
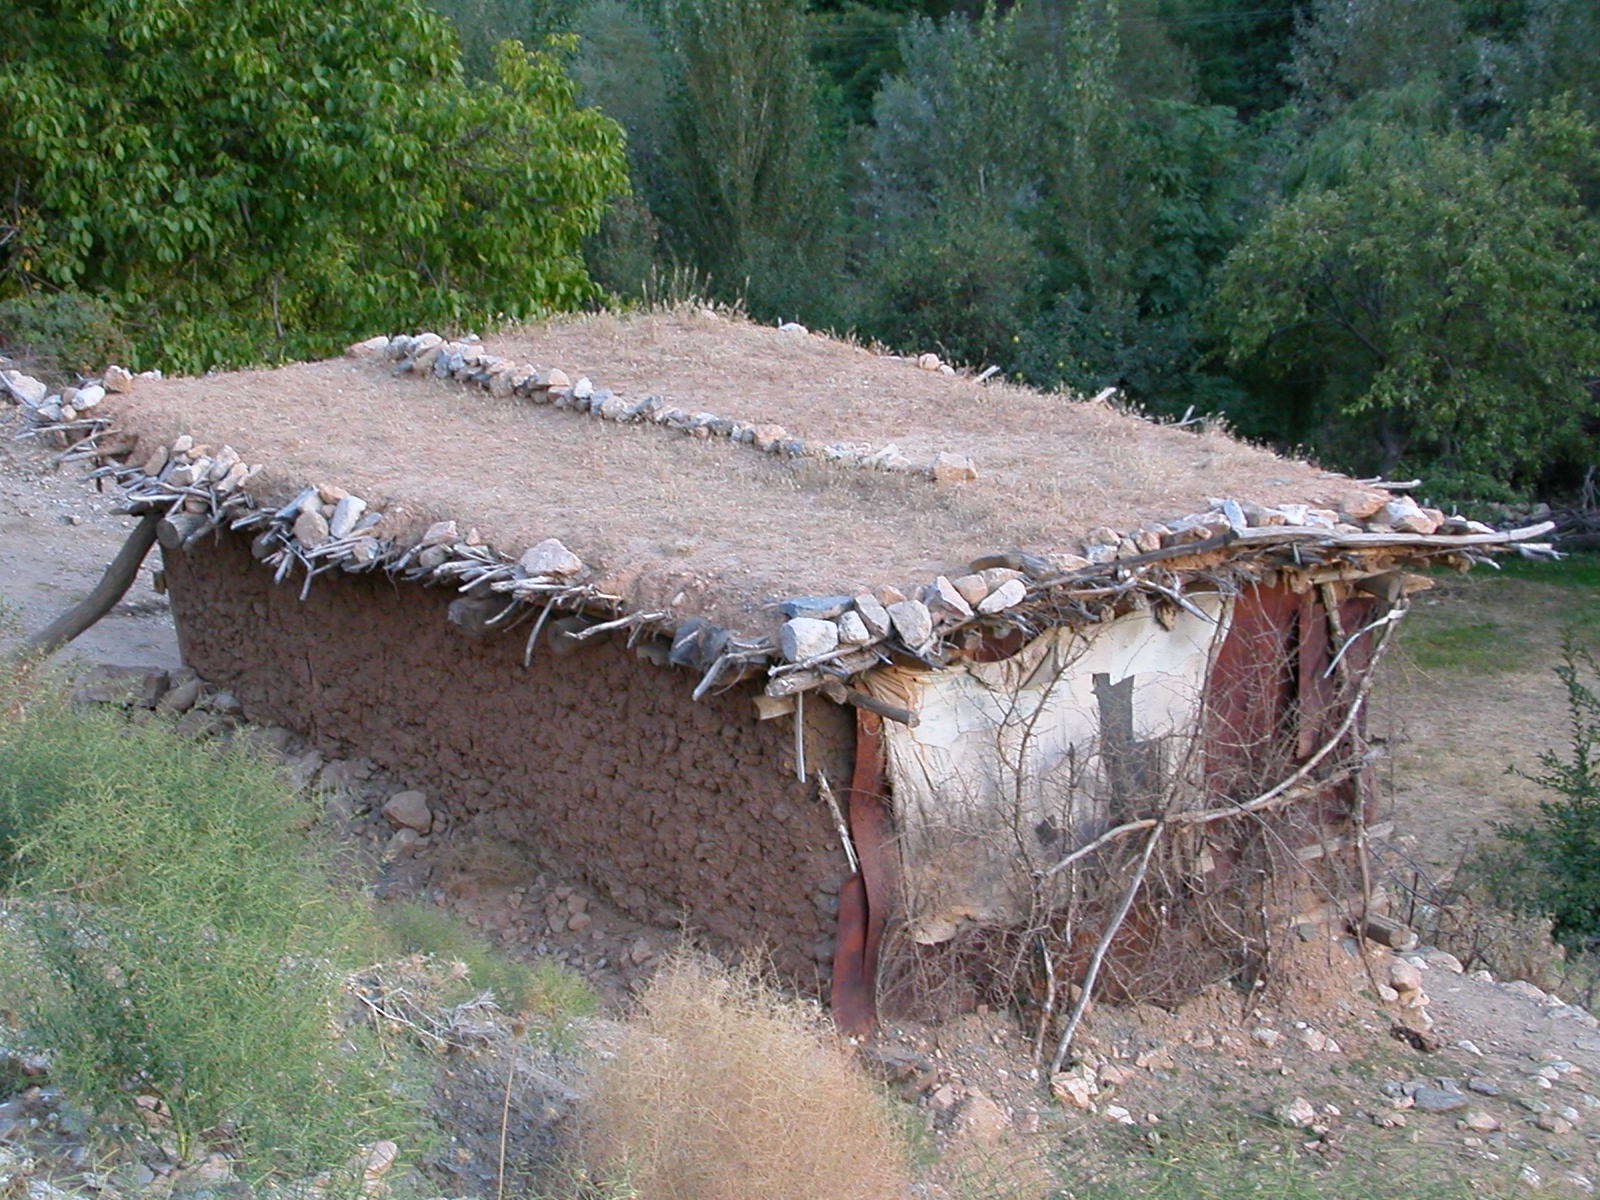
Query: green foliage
x=1444, y=293
x=1346, y=49
x=260, y=179
x=62, y=333
x=1218, y=1158
x=1558, y=867
x=749, y=193
x=543, y=989
x=481, y=25
x=1005, y=234
x=174, y=937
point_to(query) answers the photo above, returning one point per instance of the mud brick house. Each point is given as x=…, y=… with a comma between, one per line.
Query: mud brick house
x=812, y=646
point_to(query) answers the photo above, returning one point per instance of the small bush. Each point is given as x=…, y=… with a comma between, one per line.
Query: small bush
x=62, y=333
x=722, y=1090
x=543, y=989
x=1557, y=862
x=176, y=937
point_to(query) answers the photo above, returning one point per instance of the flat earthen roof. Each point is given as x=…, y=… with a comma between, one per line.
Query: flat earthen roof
x=710, y=525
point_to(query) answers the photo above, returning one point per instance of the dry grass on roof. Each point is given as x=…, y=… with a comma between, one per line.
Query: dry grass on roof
x=659, y=513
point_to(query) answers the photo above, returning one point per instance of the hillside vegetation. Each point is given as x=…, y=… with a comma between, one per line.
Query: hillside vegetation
x=1364, y=226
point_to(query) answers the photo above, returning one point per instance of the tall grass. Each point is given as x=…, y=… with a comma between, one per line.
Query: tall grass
x=174, y=936
x=722, y=1090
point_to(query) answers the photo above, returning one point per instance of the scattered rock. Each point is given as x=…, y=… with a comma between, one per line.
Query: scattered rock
x=982, y=1120
x=1552, y=1123
x=551, y=558
x=1479, y=1121
x=181, y=698
x=117, y=379
x=1429, y=1099
x=1075, y=1087
x=952, y=468
x=1297, y=1113
x=409, y=810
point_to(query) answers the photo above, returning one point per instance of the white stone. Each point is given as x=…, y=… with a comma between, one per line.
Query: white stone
x=913, y=622
x=550, y=557
x=583, y=389
x=1011, y=592
x=873, y=615
x=853, y=630
x=25, y=388
x=373, y=345
x=88, y=397
x=1404, y=977
x=792, y=327
x=117, y=379
x=944, y=598
x=928, y=362
x=1075, y=1087
x=1297, y=1113
x=802, y=638
x=345, y=515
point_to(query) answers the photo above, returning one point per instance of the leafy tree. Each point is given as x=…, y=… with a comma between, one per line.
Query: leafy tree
x=257, y=179
x=1444, y=295
x=751, y=195
x=1346, y=49
x=1047, y=199
x=1239, y=48
x=481, y=25
x=1556, y=56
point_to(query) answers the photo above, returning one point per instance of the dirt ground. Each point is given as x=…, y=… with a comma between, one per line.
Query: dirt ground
x=56, y=537
x=1469, y=699
x=1224, y=1070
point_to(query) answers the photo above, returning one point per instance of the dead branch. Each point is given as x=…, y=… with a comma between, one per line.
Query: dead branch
x=1086, y=988
x=113, y=586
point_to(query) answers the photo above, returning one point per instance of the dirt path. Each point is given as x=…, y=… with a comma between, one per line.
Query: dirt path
x=56, y=537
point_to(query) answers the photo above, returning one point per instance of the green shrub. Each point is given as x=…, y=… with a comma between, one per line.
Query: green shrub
x=543, y=989
x=176, y=937
x=1557, y=867
x=62, y=333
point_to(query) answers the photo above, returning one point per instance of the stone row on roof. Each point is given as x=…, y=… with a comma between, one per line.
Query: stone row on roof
x=468, y=362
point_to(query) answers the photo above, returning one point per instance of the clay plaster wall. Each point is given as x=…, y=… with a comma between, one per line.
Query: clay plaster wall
x=597, y=762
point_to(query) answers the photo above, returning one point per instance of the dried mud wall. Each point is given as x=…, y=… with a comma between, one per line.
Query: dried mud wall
x=597, y=762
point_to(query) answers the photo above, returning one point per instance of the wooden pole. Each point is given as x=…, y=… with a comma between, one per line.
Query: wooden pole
x=113, y=586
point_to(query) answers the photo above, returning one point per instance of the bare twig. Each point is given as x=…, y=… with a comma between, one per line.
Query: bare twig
x=1090, y=976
